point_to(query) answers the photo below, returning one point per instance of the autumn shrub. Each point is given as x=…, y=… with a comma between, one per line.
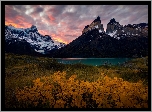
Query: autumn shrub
x=57, y=91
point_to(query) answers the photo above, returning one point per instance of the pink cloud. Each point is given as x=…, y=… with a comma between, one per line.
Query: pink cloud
x=51, y=18
x=43, y=32
x=61, y=24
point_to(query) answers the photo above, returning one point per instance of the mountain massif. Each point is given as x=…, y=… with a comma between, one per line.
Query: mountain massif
x=117, y=41
x=28, y=41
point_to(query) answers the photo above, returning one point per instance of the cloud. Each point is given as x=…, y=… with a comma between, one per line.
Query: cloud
x=51, y=17
x=38, y=9
x=56, y=10
x=66, y=22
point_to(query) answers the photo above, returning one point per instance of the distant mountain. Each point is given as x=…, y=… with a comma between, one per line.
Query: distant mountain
x=28, y=41
x=117, y=41
x=114, y=29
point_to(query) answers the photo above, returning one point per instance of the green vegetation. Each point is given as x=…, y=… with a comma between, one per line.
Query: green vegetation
x=22, y=70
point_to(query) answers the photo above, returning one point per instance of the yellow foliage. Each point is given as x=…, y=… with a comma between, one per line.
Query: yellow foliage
x=60, y=92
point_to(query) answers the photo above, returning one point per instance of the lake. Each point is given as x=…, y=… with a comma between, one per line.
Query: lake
x=93, y=61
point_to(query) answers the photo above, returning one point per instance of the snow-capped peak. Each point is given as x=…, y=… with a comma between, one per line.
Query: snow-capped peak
x=31, y=35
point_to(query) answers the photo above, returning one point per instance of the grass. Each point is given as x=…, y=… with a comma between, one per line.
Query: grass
x=21, y=70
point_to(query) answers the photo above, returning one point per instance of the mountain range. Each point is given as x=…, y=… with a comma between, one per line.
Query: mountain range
x=116, y=41
x=28, y=41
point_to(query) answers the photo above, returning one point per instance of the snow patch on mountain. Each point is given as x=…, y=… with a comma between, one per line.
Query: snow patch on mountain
x=113, y=33
x=40, y=51
x=100, y=31
x=96, y=26
x=56, y=42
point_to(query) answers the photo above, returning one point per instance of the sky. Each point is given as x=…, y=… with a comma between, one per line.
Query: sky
x=65, y=23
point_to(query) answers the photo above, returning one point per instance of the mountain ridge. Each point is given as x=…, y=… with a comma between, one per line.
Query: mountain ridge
x=117, y=42
x=37, y=42
x=94, y=41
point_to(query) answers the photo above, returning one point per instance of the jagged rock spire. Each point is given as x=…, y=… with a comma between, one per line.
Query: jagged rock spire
x=96, y=24
x=112, y=21
x=97, y=19
x=33, y=28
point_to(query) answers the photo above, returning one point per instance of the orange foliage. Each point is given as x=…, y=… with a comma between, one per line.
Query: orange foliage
x=59, y=92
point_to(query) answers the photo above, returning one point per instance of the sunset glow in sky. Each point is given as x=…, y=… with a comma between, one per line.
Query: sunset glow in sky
x=65, y=23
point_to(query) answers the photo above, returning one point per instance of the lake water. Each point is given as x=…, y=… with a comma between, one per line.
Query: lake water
x=93, y=61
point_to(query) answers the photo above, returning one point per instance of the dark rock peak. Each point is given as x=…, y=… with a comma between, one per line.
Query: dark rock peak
x=47, y=36
x=112, y=21
x=87, y=26
x=10, y=25
x=33, y=28
x=97, y=19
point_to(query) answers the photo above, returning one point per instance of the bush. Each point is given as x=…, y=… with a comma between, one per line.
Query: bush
x=56, y=91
